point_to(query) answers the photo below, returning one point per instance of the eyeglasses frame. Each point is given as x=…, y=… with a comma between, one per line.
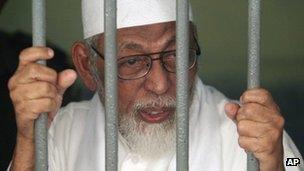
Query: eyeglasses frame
x=198, y=53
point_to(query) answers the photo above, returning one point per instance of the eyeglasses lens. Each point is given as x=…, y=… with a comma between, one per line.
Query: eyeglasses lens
x=134, y=67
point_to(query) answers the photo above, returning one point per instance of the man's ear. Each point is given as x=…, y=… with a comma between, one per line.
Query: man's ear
x=81, y=61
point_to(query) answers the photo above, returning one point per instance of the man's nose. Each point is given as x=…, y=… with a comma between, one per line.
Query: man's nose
x=157, y=80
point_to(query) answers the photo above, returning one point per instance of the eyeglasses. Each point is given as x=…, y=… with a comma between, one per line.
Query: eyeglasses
x=137, y=66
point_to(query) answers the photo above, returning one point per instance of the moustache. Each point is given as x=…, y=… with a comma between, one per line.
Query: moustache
x=158, y=102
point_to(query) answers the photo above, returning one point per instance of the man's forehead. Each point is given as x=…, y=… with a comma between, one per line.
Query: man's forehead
x=149, y=32
x=147, y=28
x=136, y=35
x=152, y=31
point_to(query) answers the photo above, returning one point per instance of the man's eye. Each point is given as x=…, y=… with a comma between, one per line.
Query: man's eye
x=170, y=55
x=131, y=61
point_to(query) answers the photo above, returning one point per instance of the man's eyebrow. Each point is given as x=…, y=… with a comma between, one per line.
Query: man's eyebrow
x=169, y=41
x=131, y=46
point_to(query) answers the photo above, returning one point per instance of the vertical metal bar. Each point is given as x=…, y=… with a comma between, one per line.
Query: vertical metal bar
x=254, y=44
x=254, y=10
x=38, y=22
x=182, y=132
x=110, y=85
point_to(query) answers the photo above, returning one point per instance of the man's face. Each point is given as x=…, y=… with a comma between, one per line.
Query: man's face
x=158, y=82
x=147, y=104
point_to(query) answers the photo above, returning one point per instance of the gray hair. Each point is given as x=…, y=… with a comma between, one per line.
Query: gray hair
x=93, y=57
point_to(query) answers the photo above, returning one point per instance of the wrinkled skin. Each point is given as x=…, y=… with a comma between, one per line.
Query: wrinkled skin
x=258, y=120
x=159, y=82
x=34, y=89
x=260, y=127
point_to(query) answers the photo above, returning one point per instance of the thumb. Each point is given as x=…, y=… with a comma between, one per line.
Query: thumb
x=231, y=110
x=65, y=79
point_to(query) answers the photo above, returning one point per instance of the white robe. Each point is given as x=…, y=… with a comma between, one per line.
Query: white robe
x=76, y=139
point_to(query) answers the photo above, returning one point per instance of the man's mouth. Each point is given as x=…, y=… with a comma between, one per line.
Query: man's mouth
x=155, y=115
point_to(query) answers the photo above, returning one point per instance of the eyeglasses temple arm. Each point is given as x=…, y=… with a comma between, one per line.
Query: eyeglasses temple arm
x=96, y=51
x=198, y=52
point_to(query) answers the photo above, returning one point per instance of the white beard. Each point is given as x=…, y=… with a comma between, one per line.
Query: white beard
x=149, y=140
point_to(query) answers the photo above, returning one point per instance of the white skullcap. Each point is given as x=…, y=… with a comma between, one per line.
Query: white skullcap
x=129, y=13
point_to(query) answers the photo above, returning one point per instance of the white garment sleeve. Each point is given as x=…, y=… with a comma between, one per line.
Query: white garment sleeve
x=51, y=154
x=291, y=151
x=56, y=157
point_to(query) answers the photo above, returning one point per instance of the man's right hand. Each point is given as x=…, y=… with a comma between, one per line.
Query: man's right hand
x=35, y=89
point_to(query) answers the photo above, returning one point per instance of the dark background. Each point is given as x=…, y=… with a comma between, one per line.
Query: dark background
x=222, y=27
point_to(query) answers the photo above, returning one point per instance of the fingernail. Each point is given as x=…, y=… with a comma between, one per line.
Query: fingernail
x=241, y=99
x=50, y=52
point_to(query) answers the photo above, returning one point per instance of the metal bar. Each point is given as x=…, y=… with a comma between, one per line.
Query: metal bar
x=38, y=22
x=254, y=10
x=182, y=130
x=110, y=85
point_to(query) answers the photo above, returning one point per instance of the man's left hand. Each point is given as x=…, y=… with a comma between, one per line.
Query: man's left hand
x=260, y=127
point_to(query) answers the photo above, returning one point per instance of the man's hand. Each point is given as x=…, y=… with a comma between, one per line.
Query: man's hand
x=34, y=89
x=260, y=127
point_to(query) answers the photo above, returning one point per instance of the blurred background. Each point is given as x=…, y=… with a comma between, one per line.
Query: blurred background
x=222, y=27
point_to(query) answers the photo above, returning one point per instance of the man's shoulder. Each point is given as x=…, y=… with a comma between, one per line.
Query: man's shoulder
x=218, y=101
x=72, y=115
x=73, y=110
x=214, y=94
x=212, y=105
x=214, y=98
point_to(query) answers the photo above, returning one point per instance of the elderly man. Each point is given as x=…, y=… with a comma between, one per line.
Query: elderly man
x=220, y=130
